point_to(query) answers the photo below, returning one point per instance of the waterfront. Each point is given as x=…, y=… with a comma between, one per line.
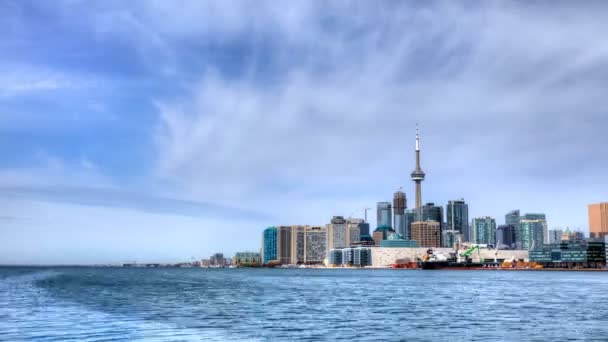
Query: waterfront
x=95, y=304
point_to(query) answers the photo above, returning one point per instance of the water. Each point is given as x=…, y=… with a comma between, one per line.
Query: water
x=113, y=304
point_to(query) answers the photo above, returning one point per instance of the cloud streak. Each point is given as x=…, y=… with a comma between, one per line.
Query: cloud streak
x=293, y=112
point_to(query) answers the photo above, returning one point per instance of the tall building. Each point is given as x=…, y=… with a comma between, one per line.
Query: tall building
x=512, y=218
x=284, y=244
x=297, y=244
x=457, y=213
x=542, y=217
x=410, y=217
x=598, y=220
x=418, y=176
x=505, y=237
x=483, y=230
x=555, y=236
x=399, y=206
x=355, y=229
x=432, y=212
x=337, y=234
x=383, y=214
x=315, y=245
x=269, y=250
x=426, y=233
x=532, y=233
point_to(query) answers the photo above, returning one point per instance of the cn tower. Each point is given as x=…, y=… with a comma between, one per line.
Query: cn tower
x=418, y=177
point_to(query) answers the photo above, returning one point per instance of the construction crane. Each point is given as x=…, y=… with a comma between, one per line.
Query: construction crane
x=466, y=254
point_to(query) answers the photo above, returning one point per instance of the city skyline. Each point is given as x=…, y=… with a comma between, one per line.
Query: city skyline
x=135, y=133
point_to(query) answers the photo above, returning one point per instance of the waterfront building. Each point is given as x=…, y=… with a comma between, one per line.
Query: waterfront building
x=347, y=256
x=315, y=245
x=337, y=234
x=426, y=233
x=542, y=217
x=417, y=177
x=246, y=259
x=284, y=244
x=270, y=245
x=570, y=254
x=350, y=256
x=297, y=244
x=217, y=260
x=505, y=237
x=362, y=256
x=334, y=257
x=532, y=233
x=396, y=240
x=383, y=214
x=598, y=220
x=457, y=213
x=555, y=236
x=399, y=206
x=512, y=218
x=484, y=230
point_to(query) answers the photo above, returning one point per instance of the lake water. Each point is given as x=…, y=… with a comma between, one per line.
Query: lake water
x=110, y=304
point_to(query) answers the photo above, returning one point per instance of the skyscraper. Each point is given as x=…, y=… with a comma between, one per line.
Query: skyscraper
x=315, y=245
x=410, y=217
x=432, y=212
x=383, y=214
x=399, y=206
x=532, y=233
x=512, y=218
x=458, y=218
x=483, y=230
x=270, y=245
x=297, y=244
x=598, y=220
x=426, y=233
x=505, y=237
x=418, y=176
x=542, y=217
x=284, y=244
x=337, y=235
x=356, y=228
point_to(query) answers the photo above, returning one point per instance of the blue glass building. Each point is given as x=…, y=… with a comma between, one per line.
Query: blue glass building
x=383, y=214
x=270, y=244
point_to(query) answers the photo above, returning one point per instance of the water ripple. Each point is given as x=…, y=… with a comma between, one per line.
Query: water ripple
x=114, y=304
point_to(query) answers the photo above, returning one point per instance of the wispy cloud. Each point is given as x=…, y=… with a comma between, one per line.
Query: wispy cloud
x=303, y=110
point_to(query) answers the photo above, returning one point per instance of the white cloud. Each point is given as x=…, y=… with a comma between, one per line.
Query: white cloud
x=483, y=83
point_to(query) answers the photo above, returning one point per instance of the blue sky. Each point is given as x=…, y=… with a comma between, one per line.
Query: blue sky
x=161, y=131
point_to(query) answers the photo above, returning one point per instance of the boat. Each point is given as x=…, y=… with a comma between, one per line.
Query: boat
x=437, y=261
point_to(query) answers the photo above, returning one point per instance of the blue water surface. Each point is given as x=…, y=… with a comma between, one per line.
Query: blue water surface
x=195, y=304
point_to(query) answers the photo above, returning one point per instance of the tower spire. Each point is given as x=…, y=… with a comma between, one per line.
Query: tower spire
x=417, y=139
x=418, y=176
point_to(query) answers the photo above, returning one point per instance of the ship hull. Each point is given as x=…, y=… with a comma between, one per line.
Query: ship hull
x=449, y=265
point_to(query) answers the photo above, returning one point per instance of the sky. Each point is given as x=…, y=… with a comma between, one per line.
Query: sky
x=161, y=131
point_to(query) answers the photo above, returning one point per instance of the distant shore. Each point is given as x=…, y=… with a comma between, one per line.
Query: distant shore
x=325, y=268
